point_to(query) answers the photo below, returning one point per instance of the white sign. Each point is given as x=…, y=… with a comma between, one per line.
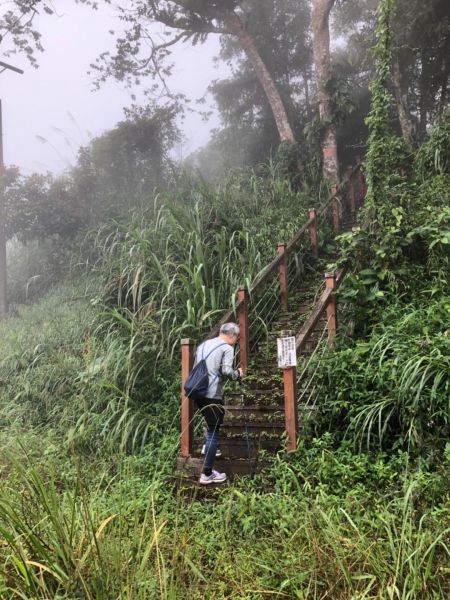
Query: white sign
x=287, y=352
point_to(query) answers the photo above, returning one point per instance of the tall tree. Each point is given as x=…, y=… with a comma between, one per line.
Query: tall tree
x=420, y=67
x=321, y=44
x=138, y=53
x=281, y=32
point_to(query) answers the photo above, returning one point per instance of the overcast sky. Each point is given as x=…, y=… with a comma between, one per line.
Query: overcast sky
x=56, y=102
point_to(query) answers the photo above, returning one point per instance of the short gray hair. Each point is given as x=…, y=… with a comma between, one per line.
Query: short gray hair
x=229, y=329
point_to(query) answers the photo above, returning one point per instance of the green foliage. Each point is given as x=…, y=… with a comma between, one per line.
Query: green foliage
x=420, y=46
x=118, y=170
x=393, y=390
x=17, y=21
x=180, y=263
x=405, y=248
x=382, y=154
x=47, y=216
x=92, y=385
x=89, y=390
x=41, y=206
x=121, y=530
x=281, y=34
x=432, y=158
x=127, y=162
x=389, y=386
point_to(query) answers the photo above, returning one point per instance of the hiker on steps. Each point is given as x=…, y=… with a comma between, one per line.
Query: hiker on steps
x=219, y=355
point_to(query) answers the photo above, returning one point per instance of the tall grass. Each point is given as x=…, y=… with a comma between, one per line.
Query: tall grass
x=90, y=506
x=180, y=262
x=62, y=367
x=68, y=544
x=124, y=532
x=394, y=388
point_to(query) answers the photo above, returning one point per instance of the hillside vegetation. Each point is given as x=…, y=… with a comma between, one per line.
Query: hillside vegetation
x=89, y=409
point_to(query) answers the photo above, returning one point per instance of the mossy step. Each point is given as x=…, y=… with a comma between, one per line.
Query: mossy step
x=260, y=426
x=255, y=407
x=236, y=466
x=254, y=436
x=274, y=398
x=254, y=417
x=260, y=383
x=269, y=387
x=253, y=392
x=240, y=448
x=230, y=446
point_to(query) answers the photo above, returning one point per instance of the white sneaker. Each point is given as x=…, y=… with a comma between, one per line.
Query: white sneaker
x=218, y=452
x=215, y=477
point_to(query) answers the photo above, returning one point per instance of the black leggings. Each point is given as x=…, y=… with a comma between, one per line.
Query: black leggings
x=213, y=413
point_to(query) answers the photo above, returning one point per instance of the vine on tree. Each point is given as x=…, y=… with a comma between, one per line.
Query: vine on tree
x=386, y=153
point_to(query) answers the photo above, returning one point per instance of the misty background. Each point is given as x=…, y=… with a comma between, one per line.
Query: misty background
x=151, y=236
x=49, y=112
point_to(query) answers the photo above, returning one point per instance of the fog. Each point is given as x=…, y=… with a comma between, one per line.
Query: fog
x=50, y=111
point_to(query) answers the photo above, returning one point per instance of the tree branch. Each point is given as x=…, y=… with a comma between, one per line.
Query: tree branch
x=200, y=27
x=194, y=28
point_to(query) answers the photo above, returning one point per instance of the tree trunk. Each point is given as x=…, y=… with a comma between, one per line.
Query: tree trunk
x=444, y=85
x=423, y=98
x=401, y=100
x=321, y=47
x=307, y=102
x=273, y=96
x=3, y=279
x=3, y=290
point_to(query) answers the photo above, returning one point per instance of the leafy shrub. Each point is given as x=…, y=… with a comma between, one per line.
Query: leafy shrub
x=393, y=389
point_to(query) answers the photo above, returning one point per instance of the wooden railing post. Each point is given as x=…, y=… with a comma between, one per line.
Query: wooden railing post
x=313, y=232
x=290, y=401
x=362, y=187
x=244, y=342
x=187, y=406
x=330, y=283
x=335, y=210
x=283, y=271
x=351, y=195
x=364, y=183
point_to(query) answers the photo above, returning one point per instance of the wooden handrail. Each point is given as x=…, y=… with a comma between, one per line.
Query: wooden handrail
x=265, y=274
x=302, y=336
x=225, y=319
x=297, y=237
x=270, y=269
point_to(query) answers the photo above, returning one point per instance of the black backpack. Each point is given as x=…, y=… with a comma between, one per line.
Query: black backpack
x=197, y=383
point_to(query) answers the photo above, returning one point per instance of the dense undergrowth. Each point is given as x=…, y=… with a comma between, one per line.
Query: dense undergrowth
x=179, y=262
x=89, y=396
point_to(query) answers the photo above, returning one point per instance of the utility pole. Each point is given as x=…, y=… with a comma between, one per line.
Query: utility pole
x=3, y=266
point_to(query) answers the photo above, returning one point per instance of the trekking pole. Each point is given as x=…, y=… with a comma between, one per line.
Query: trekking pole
x=246, y=438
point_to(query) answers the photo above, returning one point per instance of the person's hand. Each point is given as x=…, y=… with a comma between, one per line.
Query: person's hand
x=241, y=372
